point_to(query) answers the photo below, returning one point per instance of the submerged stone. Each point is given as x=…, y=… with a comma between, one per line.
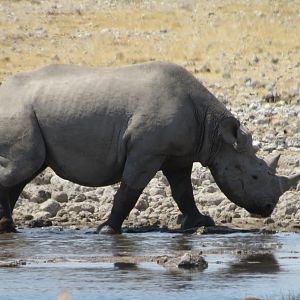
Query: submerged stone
x=188, y=260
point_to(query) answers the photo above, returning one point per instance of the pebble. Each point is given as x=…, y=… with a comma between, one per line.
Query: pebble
x=187, y=261
x=51, y=206
x=293, y=141
x=40, y=196
x=60, y=197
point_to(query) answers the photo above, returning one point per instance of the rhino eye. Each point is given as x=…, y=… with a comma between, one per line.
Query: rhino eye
x=254, y=177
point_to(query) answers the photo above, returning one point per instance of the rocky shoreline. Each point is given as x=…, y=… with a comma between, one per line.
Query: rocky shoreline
x=50, y=200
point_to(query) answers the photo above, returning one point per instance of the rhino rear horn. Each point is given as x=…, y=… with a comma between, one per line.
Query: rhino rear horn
x=272, y=162
x=288, y=182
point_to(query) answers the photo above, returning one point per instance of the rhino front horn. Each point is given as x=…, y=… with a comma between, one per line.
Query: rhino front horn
x=272, y=162
x=287, y=182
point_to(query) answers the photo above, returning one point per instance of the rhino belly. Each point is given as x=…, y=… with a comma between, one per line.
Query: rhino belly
x=87, y=153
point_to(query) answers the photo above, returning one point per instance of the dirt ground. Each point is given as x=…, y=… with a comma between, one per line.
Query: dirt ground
x=224, y=40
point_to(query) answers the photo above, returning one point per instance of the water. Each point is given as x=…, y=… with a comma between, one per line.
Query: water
x=239, y=265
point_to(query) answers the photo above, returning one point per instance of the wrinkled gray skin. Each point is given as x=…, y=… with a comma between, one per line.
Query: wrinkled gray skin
x=96, y=127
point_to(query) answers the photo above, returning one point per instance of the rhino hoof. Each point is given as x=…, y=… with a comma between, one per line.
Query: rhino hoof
x=7, y=225
x=190, y=223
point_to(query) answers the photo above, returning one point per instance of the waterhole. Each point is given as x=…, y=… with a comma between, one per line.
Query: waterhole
x=40, y=263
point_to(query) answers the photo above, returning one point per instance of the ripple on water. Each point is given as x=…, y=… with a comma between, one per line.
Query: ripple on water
x=124, y=266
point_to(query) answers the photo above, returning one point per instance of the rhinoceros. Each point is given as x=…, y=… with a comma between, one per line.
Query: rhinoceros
x=100, y=126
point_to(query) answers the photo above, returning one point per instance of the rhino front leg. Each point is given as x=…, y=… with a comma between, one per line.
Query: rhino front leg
x=6, y=221
x=182, y=192
x=124, y=201
x=138, y=171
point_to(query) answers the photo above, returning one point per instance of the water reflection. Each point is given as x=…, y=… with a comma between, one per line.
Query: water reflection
x=81, y=268
x=264, y=263
x=182, y=243
x=126, y=266
x=123, y=245
x=11, y=245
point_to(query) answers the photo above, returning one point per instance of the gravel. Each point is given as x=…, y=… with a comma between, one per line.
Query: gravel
x=262, y=89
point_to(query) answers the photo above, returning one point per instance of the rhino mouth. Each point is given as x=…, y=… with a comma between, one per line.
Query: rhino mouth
x=263, y=211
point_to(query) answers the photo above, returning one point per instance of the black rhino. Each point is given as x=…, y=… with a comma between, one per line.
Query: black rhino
x=99, y=126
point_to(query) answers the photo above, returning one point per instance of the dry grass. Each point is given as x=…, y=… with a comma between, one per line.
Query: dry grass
x=223, y=35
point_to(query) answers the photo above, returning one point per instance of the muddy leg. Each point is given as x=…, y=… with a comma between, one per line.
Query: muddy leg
x=182, y=192
x=6, y=221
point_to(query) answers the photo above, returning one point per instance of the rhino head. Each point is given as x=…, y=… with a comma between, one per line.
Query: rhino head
x=245, y=179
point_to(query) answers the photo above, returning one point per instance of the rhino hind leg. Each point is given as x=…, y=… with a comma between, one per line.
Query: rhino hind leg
x=22, y=156
x=8, y=199
x=182, y=192
x=6, y=221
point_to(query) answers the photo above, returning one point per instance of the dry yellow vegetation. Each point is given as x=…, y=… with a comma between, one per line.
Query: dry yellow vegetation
x=222, y=39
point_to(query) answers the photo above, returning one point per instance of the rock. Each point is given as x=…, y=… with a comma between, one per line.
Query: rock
x=289, y=210
x=226, y=75
x=188, y=260
x=55, y=57
x=60, y=197
x=79, y=198
x=293, y=141
x=43, y=178
x=41, y=215
x=12, y=264
x=51, y=206
x=40, y=223
x=294, y=91
x=260, y=14
x=204, y=69
x=275, y=60
x=269, y=221
x=28, y=217
x=41, y=32
x=142, y=204
x=78, y=207
x=157, y=191
x=254, y=59
x=210, y=189
x=40, y=197
x=163, y=30
x=272, y=96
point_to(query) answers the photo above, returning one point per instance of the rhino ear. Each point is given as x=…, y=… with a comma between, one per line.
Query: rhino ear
x=229, y=130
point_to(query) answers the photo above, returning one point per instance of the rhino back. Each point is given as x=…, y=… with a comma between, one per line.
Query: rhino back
x=90, y=118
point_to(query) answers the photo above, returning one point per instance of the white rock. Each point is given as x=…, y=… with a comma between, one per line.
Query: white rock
x=60, y=196
x=42, y=215
x=79, y=198
x=157, y=191
x=51, y=206
x=142, y=204
x=40, y=196
x=78, y=207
